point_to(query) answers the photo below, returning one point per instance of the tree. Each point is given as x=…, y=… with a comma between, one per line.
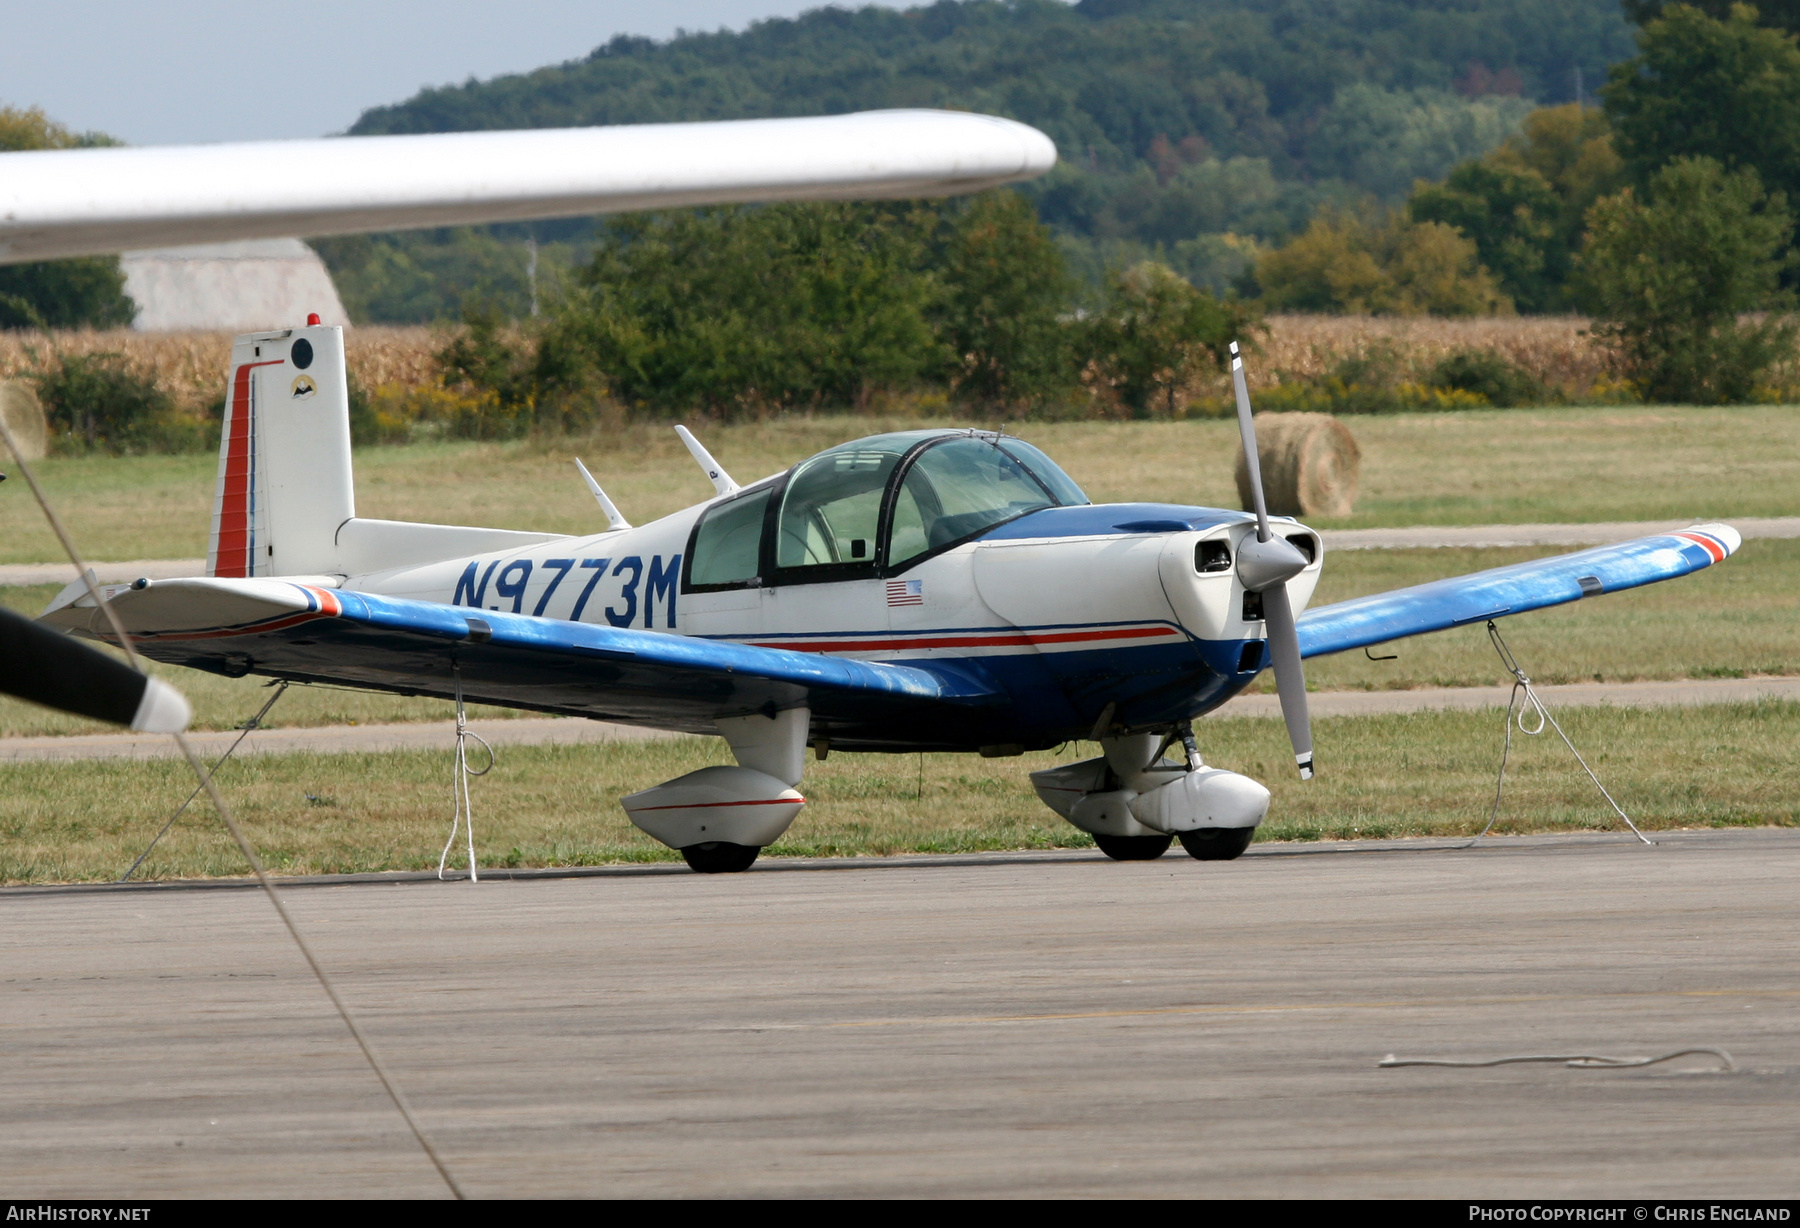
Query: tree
x=1393, y=266
x=1779, y=14
x=88, y=292
x=96, y=402
x=1524, y=204
x=1328, y=269
x=1005, y=289
x=1673, y=272
x=1510, y=215
x=1701, y=87
x=733, y=309
x=1155, y=332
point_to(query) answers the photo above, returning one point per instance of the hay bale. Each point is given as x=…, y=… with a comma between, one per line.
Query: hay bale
x=25, y=419
x=1310, y=465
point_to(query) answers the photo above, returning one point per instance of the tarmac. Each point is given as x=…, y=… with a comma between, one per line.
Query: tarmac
x=995, y=1025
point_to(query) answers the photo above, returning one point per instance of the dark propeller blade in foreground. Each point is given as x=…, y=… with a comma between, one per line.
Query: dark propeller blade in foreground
x=47, y=667
x=1265, y=565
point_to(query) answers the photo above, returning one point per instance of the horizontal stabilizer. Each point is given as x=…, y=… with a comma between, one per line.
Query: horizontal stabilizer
x=1517, y=589
x=368, y=546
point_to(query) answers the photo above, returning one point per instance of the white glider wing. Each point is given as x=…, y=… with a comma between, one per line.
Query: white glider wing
x=78, y=202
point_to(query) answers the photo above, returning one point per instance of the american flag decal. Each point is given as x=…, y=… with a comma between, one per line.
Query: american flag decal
x=906, y=592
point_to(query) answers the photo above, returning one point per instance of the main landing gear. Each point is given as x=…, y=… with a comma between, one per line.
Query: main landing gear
x=721, y=817
x=718, y=857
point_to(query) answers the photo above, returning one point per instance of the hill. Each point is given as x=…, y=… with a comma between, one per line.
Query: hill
x=1181, y=122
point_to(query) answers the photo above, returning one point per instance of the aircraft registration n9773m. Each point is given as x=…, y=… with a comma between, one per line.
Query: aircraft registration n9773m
x=943, y=590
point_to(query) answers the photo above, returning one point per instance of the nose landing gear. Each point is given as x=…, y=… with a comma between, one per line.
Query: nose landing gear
x=1217, y=843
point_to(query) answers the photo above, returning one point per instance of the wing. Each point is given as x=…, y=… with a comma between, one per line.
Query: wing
x=79, y=202
x=1476, y=598
x=313, y=634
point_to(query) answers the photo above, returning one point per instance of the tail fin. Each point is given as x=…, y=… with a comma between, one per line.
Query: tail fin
x=284, y=457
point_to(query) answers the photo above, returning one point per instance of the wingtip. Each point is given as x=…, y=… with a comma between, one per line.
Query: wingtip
x=1724, y=534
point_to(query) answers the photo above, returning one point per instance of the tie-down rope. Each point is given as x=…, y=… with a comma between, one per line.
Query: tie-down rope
x=254, y=722
x=1516, y=714
x=463, y=814
x=1579, y=1061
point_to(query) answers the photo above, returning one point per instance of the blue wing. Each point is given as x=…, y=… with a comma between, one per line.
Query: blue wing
x=1476, y=598
x=312, y=634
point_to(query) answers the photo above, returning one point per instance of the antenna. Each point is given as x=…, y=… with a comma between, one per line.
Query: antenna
x=721, y=480
x=614, y=521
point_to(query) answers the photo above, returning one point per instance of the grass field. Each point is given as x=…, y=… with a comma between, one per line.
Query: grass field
x=1746, y=605
x=1470, y=467
x=1422, y=774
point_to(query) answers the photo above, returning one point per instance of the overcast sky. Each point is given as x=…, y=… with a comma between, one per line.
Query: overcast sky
x=155, y=72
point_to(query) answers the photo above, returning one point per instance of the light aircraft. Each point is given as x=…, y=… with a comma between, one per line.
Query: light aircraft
x=942, y=590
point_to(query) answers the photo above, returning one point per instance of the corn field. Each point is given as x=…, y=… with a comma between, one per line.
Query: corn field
x=1553, y=349
x=191, y=366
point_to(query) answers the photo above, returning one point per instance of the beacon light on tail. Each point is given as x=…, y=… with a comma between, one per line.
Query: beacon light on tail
x=929, y=590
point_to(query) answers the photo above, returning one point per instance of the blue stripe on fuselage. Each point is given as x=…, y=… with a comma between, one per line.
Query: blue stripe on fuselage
x=1105, y=519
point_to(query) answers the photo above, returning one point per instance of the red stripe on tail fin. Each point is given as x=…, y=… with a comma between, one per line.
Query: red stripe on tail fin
x=231, y=549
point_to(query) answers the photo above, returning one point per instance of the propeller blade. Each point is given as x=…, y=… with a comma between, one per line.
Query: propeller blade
x=1265, y=566
x=47, y=667
x=1247, y=429
x=1290, y=674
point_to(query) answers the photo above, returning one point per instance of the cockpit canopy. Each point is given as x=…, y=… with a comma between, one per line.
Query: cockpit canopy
x=874, y=506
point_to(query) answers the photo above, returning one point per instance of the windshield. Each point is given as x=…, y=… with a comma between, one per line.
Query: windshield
x=1046, y=471
x=960, y=487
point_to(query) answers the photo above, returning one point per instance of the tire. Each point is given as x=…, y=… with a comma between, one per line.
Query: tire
x=1217, y=843
x=1134, y=848
x=718, y=857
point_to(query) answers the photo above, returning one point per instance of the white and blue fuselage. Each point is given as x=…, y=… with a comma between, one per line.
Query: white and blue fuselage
x=1065, y=607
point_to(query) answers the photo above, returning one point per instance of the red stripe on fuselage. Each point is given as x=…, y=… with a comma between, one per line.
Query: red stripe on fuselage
x=231, y=553
x=1019, y=639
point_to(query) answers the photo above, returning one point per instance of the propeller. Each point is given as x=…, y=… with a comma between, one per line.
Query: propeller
x=47, y=667
x=1265, y=564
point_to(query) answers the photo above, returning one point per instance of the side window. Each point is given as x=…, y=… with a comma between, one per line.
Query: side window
x=831, y=509
x=728, y=542
x=956, y=489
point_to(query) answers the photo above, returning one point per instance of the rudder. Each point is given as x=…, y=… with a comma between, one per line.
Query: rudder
x=285, y=483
